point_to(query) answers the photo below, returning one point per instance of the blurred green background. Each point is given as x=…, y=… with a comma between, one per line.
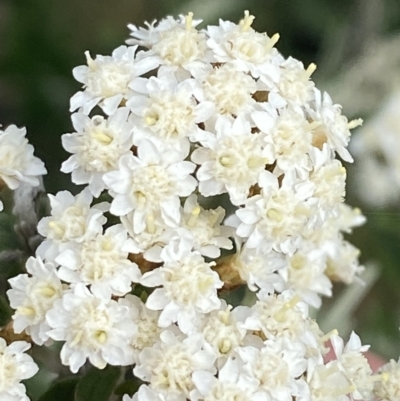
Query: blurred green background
x=42, y=40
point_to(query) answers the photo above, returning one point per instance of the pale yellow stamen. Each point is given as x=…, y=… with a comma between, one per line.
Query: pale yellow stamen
x=194, y=215
x=76, y=339
x=280, y=316
x=272, y=42
x=254, y=162
x=327, y=336
x=355, y=123
x=150, y=121
x=151, y=228
x=107, y=245
x=246, y=22
x=275, y=214
x=101, y=337
x=189, y=21
x=226, y=161
x=26, y=310
x=311, y=69
x=56, y=227
x=47, y=292
x=102, y=137
x=225, y=347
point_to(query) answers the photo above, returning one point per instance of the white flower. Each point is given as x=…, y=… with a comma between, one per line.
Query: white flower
x=304, y=273
x=152, y=239
x=329, y=178
x=277, y=218
x=223, y=330
x=17, y=163
x=275, y=366
x=149, y=183
x=289, y=133
x=257, y=268
x=333, y=129
x=168, y=365
x=388, y=388
x=107, y=79
x=169, y=113
x=15, y=366
x=244, y=48
x=280, y=315
x=101, y=262
x=72, y=219
x=189, y=286
x=327, y=383
x=32, y=296
x=203, y=228
x=229, y=90
x=176, y=43
x=294, y=85
x=147, y=331
x=230, y=161
x=96, y=146
x=231, y=384
x=92, y=328
x=354, y=365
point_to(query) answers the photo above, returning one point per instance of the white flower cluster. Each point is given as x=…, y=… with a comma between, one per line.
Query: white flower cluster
x=178, y=116
x=17, y=163
x=15, y=366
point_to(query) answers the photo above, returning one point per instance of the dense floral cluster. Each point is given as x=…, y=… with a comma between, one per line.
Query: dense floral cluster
x=162, y=126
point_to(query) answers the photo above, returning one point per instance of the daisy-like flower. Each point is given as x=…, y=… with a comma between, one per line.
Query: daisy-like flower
x=101, y=262
x=276, y=366
x=229, y=90
x=92, y=328
x=154, y=237
x=304, y=273
x=232, y=384
x=388, y=388
x=257, y=268
x=333, y=127
x=232, y=160
x=278, y=216
x=168, y=365
x=289, y=134
x=32, y=296
x=149, y=183
x=295, y=85
x=246, y=49
x=177, y=44
x=188, y=286
x=204, y=229
x=354, y=365
x=97, y=145
x=278, y=316
x=107, y=79
x=72, y=219
x=147, y=332
x=223, y=330
x=15, y=366
x=169, y=113
x=17, y=162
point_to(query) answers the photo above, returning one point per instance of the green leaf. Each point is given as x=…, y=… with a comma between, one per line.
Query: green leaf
x=63, y=390
x=5, y=312
x=98, y=385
